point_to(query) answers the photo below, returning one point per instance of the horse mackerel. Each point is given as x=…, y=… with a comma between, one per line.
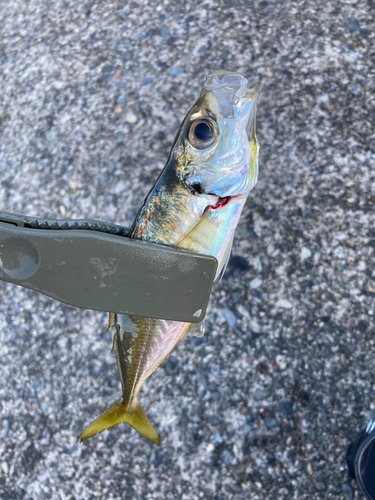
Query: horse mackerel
x=195, y=205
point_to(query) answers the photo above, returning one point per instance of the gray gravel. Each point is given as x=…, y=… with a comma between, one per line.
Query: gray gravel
x=265, y=404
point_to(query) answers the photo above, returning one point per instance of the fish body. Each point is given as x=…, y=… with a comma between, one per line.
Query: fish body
x=195, y=205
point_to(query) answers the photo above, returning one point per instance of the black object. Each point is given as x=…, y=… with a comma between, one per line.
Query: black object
x=93, y=265
x=361, y=460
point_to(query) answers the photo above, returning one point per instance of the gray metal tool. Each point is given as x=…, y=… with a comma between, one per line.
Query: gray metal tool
x=93, y=265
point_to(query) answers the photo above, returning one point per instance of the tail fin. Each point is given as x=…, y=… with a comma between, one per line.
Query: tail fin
x=118, y=413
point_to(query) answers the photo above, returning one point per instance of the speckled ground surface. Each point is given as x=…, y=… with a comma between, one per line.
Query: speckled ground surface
x=265, y=404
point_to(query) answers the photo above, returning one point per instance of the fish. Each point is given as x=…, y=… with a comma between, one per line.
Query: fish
x=195, y=205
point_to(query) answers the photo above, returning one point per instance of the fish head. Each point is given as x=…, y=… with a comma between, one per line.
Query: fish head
x=216, y=148
x=213, y=164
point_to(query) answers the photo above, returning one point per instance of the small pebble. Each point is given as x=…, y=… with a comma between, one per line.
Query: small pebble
x=226, y=457
x=164, y=31
x=73, y=449
x=319, y=483
x=146, y=81
x=339, y=252
x=201, y=379
x=66, y=201
x=130, y=118
x=281, y=361
x=5, y=467
x=260, y=394
x=210, y=448
x=351, y=55
x=286, y=408
x=59, y=85
x=256, y=283
x=177, y=70
x=347, y=491
x=6, y=428
x=284, y=304
x=119, y=135
x=213, y=420
x=229, y=316
x=352, y=25
x=340, y=313
x=305, y=253
x=52, y=134
x=208, y=358
x=342, y=236
x=270, y=422
x=218, y=438
x=119, y=188
x=107, y=69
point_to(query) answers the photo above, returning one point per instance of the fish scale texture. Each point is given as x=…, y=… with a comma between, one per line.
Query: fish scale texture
x=266, y=403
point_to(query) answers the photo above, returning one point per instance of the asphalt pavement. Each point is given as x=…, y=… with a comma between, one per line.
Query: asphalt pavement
x=266, y=403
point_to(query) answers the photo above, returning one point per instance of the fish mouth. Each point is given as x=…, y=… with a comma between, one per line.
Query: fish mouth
x=228, y=87
x=231, y=92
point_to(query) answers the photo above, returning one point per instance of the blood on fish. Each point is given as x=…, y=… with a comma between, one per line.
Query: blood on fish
x=221, y=202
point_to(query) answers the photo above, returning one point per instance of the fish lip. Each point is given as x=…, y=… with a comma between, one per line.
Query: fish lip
x=231, y=92
x=229, y=82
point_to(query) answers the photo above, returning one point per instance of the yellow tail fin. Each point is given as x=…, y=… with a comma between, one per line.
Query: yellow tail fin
x=118, y=413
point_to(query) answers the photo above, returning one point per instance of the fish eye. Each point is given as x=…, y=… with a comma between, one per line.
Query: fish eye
x=202, y=134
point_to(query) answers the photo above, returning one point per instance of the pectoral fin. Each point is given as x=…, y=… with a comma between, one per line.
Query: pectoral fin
x=197, y=329
x=117, y=413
